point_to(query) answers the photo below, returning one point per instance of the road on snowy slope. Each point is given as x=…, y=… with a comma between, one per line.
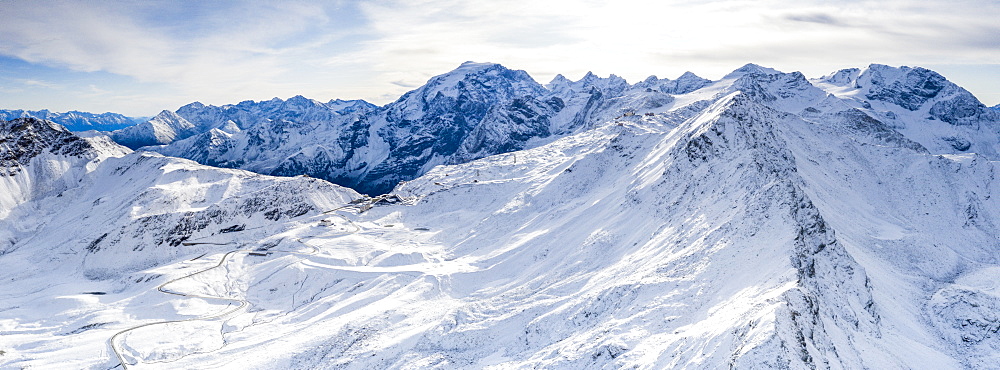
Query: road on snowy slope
x=241, y=303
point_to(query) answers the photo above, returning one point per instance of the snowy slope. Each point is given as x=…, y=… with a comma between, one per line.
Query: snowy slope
x=745, y=236
x=760, y=221
x=82, y=218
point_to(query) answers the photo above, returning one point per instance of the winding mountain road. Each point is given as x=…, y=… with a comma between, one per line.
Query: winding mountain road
x=239, y=303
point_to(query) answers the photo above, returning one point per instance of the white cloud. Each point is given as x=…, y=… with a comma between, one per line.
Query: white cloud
x=635, y=38
x=221, y=52
x=235, y=50
x=39, y=83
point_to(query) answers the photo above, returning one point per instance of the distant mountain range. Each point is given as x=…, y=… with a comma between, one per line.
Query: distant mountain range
x=76, y=120
x=483, y=109
x=477, y=110
x=474, y=111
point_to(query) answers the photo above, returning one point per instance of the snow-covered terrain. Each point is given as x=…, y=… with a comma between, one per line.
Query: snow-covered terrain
x=76, y=120
x=764, y=220
x=84, y=221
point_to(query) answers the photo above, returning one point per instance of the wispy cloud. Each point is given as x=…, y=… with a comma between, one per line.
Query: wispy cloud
x=636, y=38
x=227, y=51
x=821, y=18
x=38, y=83
x=218, y=52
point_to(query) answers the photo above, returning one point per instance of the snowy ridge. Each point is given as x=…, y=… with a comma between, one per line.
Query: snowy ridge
x=631, y=246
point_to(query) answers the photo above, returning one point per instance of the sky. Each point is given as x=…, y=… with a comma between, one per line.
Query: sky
x=141, y=57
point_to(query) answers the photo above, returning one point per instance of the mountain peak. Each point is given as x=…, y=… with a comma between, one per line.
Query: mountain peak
x=22, y=139
x=301, y=101
x=347, y=106
x=689, y=76
x=842, y=77
x=192, y=105
x=559, y=79
x=473, y=67
x=908, y=87
x=884, y=67
x=474, y=64
x=751, y=68
x=651, y=82
x=611, y=83
x=486, y=78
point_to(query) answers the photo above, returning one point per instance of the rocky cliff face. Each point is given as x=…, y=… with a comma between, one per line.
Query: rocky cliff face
x=24, y=139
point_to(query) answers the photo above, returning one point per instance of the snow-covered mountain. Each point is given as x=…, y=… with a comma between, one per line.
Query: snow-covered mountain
x=47, y=171
x=936, y=113
x=197, y=118
x=477, y=110
x=764, y=220
x=75, y=120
